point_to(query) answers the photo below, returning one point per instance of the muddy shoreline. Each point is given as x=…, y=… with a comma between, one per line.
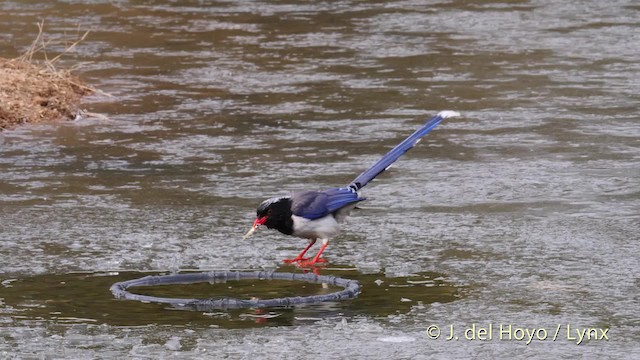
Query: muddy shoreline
x=36, y=93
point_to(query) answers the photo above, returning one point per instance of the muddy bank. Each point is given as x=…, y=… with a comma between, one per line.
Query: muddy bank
x=32, y=93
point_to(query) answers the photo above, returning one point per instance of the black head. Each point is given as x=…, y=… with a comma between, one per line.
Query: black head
x=275, y=213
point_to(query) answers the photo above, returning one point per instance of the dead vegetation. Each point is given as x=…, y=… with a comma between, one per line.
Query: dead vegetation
x=33, y=91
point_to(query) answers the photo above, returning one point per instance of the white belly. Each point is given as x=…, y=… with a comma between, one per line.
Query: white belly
x=323, y=228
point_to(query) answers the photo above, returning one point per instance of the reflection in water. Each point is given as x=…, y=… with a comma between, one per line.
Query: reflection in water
x=84, y=298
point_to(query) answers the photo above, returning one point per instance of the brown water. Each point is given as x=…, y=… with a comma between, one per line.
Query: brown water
x=526, y=209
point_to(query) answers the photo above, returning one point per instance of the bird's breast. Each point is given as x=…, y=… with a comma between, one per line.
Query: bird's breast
x=325, y=227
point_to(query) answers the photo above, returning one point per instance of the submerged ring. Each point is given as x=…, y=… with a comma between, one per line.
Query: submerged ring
x=351, y=289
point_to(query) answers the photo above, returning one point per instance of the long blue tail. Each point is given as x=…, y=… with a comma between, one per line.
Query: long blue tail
x=395, y=153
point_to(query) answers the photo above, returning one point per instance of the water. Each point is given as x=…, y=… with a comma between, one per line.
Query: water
x=526, y=208
x=80, y=297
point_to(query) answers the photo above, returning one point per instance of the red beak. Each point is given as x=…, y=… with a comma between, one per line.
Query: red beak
x=259, y=221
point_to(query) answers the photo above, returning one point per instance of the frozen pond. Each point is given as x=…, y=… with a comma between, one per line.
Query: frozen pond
x=525, y=211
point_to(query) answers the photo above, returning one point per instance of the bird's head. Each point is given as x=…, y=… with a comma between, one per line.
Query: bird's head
x=271, y=213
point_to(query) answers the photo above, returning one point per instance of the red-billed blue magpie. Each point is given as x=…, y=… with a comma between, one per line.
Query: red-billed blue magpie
x=316, y=215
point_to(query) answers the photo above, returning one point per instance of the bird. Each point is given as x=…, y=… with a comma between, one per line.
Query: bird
x=316, y=214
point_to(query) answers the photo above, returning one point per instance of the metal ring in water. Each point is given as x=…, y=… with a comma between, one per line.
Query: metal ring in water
x=351, y=289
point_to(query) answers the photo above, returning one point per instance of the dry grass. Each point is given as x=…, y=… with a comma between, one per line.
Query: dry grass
x=33, y=91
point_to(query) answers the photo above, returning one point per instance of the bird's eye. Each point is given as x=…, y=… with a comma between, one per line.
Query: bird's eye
x=269, y=212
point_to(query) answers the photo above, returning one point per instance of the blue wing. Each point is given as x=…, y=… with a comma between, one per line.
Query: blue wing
x=316, y=204
x=395, y=153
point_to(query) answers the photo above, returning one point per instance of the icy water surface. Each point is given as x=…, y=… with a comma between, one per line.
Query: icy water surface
x=82, y=297
x=525, y=211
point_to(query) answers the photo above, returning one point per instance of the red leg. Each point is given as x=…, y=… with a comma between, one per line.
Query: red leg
x=300, y=256
x=316, y=259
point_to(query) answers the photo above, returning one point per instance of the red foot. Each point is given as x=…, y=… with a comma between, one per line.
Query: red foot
x=313, y=269
x=291, y=261
x=310, y=263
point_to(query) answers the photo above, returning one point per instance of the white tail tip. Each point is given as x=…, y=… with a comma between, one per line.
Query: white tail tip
x=448, y=113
